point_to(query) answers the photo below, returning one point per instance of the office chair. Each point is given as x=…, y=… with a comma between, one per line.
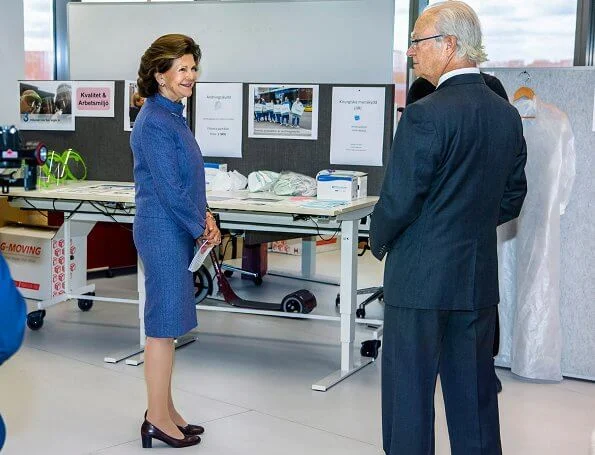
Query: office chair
x=376, y=293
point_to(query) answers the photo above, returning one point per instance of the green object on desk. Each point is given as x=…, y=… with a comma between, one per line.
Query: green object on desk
x=59, y=167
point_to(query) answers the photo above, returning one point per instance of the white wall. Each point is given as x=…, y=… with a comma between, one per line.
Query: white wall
x=12, y=60
x=324, y=41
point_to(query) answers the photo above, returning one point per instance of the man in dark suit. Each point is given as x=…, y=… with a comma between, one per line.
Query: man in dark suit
x=456, y=171
x=422, y=87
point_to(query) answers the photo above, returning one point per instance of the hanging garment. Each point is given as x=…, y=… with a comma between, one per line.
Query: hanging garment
x=529, y=247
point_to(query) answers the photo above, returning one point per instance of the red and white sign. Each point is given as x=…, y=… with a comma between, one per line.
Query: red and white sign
x=95, y=99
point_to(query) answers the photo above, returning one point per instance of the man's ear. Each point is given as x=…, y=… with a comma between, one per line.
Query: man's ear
x=451, y=43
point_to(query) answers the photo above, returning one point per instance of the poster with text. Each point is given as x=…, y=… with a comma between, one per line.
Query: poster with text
x=94, y=98
x=46, y=105
x=283, y=111
x=218, y=116
x=357, y=125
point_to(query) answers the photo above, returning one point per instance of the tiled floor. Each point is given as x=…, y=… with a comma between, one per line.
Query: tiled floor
x=247, y=380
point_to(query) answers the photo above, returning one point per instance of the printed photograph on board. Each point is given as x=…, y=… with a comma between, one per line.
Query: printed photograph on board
x=46, y=105
x=132, y=104
x=283, y=111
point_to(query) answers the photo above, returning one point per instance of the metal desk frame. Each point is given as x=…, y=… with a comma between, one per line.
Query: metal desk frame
x=232, y=217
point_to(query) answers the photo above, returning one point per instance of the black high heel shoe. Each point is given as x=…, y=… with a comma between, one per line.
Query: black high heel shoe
x=188, y=430
x=191, y=430
x=148, y=432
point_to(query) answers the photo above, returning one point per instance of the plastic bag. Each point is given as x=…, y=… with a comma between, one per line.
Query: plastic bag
x=261, y=180
x=294, y=184
x=228, y=181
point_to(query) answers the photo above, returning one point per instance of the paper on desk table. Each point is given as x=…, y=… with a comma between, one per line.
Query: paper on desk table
x=201, y=254
x=322, y=204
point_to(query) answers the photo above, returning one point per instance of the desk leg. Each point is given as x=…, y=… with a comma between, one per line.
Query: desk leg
x=308, y=257
x=348, y=291
x=141, y=300
x=139, y=348
x=67, y=289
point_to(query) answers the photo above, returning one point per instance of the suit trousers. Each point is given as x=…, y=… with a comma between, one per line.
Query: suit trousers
x=420, y=344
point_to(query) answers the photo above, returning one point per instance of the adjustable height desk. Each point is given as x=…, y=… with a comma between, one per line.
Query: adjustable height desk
x=94, y=201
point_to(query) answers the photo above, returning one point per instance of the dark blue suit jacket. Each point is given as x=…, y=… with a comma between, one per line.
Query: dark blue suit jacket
x=455, y=173
x=12, y=314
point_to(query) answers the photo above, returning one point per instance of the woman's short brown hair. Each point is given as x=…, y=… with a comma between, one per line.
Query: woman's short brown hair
x=159, y=57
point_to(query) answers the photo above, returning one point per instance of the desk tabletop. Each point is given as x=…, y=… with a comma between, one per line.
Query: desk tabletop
x=123, y=192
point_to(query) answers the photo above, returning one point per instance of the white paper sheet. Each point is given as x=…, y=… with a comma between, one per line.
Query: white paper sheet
x=201, y=254
x=357, y=125
x=219, y=119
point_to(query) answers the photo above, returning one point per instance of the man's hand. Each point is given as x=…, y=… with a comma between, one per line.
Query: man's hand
x=212, y=234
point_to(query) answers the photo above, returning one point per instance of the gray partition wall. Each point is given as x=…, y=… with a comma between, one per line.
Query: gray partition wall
x=105, y=145
x=572, y=90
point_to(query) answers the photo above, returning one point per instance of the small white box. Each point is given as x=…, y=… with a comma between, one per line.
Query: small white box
x=211, y=170
x=36, y=259
x=341, y=185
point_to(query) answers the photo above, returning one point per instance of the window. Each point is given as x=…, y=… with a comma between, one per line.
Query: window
x=527, y=33
x=401, y=40
x=39, y=39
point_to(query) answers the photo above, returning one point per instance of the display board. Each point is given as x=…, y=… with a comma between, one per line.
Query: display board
x=329, y=41
x=572, y=90
x=105, y=145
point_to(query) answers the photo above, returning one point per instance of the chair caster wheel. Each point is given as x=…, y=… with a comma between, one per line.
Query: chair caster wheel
x=370, y=348
x=338, y=300
x=35, y=319
x=360, y=313
x=257, y=280
x=86, y=304
x=228, y=273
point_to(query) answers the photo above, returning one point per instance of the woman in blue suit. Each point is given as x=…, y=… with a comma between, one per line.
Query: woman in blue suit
x=12, y=322
x=171, y=216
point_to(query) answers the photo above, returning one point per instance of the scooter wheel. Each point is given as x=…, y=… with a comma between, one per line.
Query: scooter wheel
x=292, y=304
x=203, y=284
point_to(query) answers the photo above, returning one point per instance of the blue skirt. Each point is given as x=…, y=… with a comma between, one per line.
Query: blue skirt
x=166, y=252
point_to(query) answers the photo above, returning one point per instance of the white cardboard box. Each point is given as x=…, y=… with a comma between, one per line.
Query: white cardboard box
x=341, y=185
x=36, y=259
x=294, y=246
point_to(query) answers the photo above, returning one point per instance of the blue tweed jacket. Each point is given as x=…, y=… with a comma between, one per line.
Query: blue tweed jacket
x=168, y=166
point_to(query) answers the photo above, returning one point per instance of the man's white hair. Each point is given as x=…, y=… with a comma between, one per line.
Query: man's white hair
x=456, y=18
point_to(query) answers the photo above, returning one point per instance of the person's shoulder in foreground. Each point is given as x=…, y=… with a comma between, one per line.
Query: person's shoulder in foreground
x=13, y=312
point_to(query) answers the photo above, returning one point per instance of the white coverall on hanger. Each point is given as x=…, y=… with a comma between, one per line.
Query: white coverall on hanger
x=529, y=263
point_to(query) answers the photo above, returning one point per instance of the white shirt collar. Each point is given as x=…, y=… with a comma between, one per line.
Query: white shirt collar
x=473, y=70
